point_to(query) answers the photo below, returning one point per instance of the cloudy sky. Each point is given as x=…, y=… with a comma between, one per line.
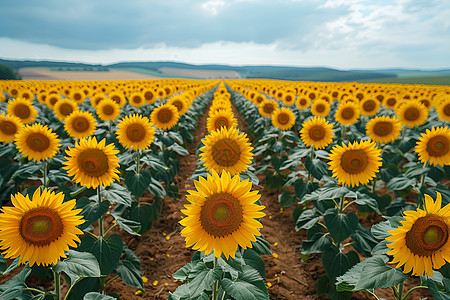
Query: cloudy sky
x=344, y=34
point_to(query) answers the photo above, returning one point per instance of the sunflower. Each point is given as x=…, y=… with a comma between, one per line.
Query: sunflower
x=51, y=100
x=288, y=98
x=37, y=142
x=383, y=129
x=23, y=109
x=135, y=131
x=91, y=163
x=108, y=110
x=77, y=95
x=303, y=102
x=355, y=163
x=317, y=132
x=320, y=108
x=347, y=113
x=283, y=118
x=136, y=99
x=267, y=108
x=149, y=96
x=221, y=215
x=180, y=103
x=41, y=229
x=165, y=116
x=226, y=149
x=64, y=107
x=412, y=113
x=118, y=98
x=9, y=126
x=390, y=101
x=421, y=243
x=434, y=146
x=221, y=118
x=369, y=106
x=443, y=110
x=80, y=124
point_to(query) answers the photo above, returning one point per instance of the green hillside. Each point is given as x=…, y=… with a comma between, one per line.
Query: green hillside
x=431, y=80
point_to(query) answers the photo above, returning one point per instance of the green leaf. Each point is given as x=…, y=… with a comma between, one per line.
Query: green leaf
x=253, y=259
x=401, y=183
x=380, y=230
x=117, y=194
x=156, y=188
x=337, y=263
x=363, y=240
x=204, y=281
x=91, y=210
x=261, y=246
x=13, y=288
x=77, y=265
x=364, y=199
x=349, y=279
x=3, y=264
x=340, y=226
x=138, y=183
x=286, y=199
x=130, y=226
x=316, y=167
x=129, y=269
x=179, y=149
x=318, y=243
x=97, y=296
x=84, y=286
x=181, y=293
x=183, y=272
x=307, y=219
x=12, y=266
x=435, y=292
x=381, y=248
x=145, y=214
x=248, y=286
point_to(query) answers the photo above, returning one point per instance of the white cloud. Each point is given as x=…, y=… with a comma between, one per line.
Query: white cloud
x=212, y=6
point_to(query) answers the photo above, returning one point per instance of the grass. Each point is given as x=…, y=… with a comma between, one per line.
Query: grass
x=430, y=80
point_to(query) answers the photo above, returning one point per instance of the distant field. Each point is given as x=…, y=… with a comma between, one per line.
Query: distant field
x=156, y=73
x=207, y=74
x=48, y=74
x=431, y=80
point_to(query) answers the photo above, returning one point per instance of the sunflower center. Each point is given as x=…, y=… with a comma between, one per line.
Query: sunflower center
x=108, y=110
x=382, y=128
x=320, y=108
x=135, y=132
x=178, y=105
x=446, y=110
x=288, y=98
x=369, y=105
x=303, y=102
x=427, y=235
x=80, y=124
x=116, y=99
x=137, y=99
x=259, y=99
x=41, y=226
x=164, y=115
x=148, y=95
x=8, y=128
x=268, y=108
x=226, y=152
x=347, y=113
x=411, y=114
x=65, y=109
x=221, y=214
x=391, y=101
x=221, y=122
x=38, y=142
x=53, y=100
x=93, y=162
x=77, y=96
x=283, y=118
x=354, y=161
x=22, y=111
x=317, y=132
x=438, y=146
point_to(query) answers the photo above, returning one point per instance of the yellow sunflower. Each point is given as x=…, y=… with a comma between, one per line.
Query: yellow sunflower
x=23, y=109
x=117, y=97
x=135, y=131
x=221, y=215
x=37, y=142
x=226, y=149
x=412, y=113
x=165, y=116
x=77, y=95
x=317, y=132
x=221, y=118
x=303, y=102
x=390, y=101
x=283, y=118
x=180, y=103
x=91, y=163
x=383, y=129
x=434, y=146
x=149, y=96
x=64, y=107
x=108, y=110
x=80, y=124
x=40, y=229
x=136, y=99
x=51, y=100
x=320, y=108
x=288, y=98
x=369, y=106
x=347, y=113
x=355, y=163
x=267, y=108
x=9, y=126
x=443, y=110
x=421, y=243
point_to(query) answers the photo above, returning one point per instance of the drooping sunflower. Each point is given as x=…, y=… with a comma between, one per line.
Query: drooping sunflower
x=80, y=124
x=355, y=163
x=283, y=118
x=108, y=110
x=434, y=146
x=347, y=113
x=37, y=142
x=9, y=126
x=165, y=116
x=135, y=131
x=136, y=99
x=226, y=149
x=317, y=132
x=23, y=109
x=40, y=229
x=443, y=110
x=421, y=243
x=303, y=102
x=383, y=129
x=64, y=107
x=221, y=215
x=220, y=118
x=267, y=108
x=320, y=108
x=412, y=113
x=92, y=163
x=369, y=106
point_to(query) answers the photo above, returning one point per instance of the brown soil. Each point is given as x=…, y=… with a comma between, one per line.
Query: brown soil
x=47, y=74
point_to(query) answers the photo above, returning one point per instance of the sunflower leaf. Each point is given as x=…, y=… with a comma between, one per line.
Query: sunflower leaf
x=340, y=226
x=91, y=210
x=137, y=183
x=129, y=269
x=78, y=265
x=117, y=193
x=249, y=285
x=204, y=281
x=97, y=296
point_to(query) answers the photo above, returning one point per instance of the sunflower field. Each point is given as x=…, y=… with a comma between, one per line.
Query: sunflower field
x=237, y=189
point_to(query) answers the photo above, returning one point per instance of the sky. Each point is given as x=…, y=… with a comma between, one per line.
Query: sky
x=343, y=34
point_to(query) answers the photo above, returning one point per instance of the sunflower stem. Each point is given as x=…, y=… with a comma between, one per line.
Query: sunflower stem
x=138, y=160
x=100, y=220
x=422, y=177
x=215, y=294
x=343, y=132
x=45, y=174
x=414, y=288
x=400, y=291
x=374, y=184
x=57, y=277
